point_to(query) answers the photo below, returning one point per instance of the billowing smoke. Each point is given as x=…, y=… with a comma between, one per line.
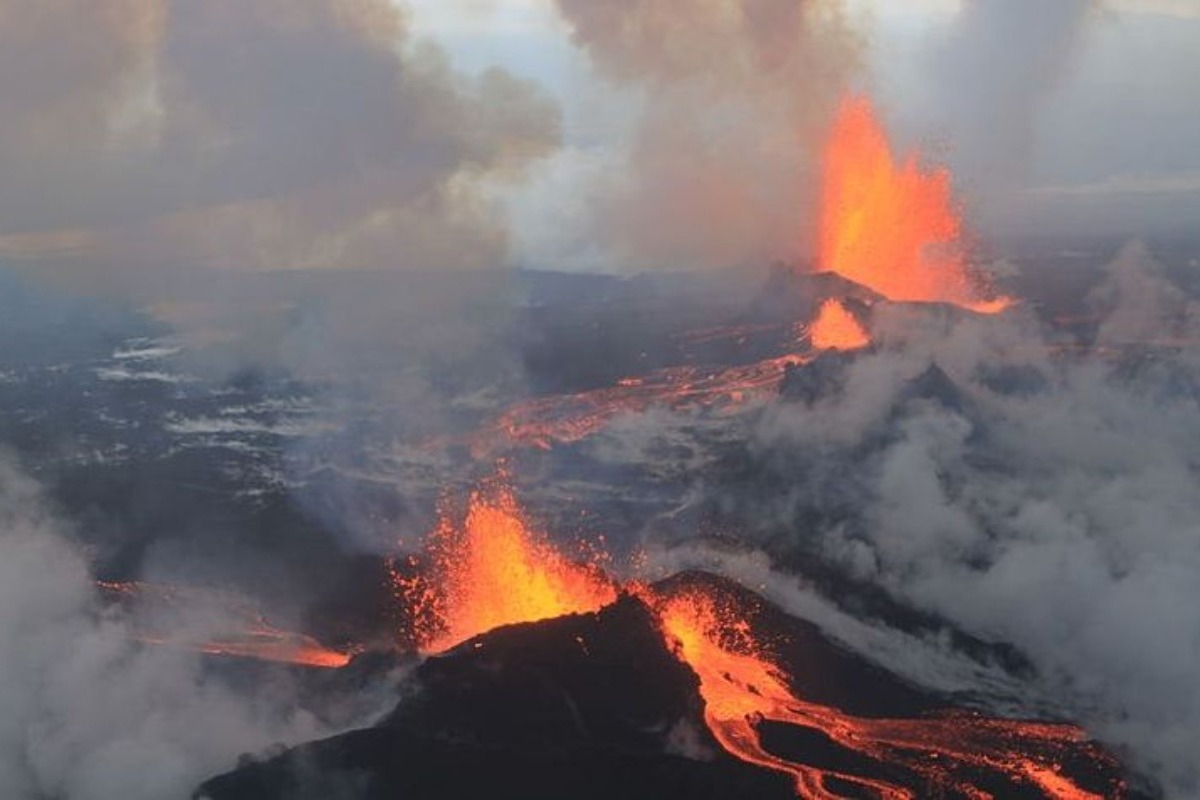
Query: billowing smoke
x=148, y=134
x=88, y=714
x=735, y=97
x=1039, y=499
x=1001, y=62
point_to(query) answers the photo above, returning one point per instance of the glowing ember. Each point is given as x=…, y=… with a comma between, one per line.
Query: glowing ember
x=494, y=571
x=892, y=226
x=835, y=328
x=741, y=687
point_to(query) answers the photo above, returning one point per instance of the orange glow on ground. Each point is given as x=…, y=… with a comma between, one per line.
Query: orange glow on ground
x=562, y=419
x=493, y=571
x=835, y=328
x=245, y=633
x=741, y=686
x=890, y=226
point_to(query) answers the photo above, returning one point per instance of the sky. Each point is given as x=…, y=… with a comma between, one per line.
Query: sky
x=1111, y=145
x=142, y=138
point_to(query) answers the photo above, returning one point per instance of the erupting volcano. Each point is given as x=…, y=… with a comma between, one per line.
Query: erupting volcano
x=892, y=225
x=492, y=571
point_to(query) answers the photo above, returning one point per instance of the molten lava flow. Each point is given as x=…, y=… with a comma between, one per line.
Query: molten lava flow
x=571, y=418
x=888, y=226
x=741, y=687
x=245, y=632
x=835, y=328
x=494, y=571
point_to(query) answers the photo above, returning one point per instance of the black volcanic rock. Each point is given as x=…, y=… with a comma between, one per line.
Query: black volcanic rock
x=935, y=386
x=596, y=706
x=818, y=378
x=602, y=679
x=789, y=294
x=392, y=764
x=579, y=707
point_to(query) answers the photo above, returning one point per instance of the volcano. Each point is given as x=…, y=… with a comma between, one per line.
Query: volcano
x=603, y=705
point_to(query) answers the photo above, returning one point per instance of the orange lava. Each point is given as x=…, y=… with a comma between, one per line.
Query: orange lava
x=570, y=418
x=741, y=687
x=890, y=226
x=494, y=571
x=246, y=632
x=835, y=328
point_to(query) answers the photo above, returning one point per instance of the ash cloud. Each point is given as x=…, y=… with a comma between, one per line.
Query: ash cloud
x=142, y=135
x=87, y=714
x=734, y=99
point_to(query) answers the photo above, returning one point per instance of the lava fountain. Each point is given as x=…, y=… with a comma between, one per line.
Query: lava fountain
x=493, y=570
x=892, y=226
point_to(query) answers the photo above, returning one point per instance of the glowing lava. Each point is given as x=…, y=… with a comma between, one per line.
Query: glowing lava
x=244, y=631
x=562, y=419
x=835, y=328
x=741, y=688
x=494, y=571
x=890, y=226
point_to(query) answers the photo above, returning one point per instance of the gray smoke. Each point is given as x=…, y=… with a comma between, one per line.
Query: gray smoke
x=1047, y=502
x=145, y=135
x=88, y=714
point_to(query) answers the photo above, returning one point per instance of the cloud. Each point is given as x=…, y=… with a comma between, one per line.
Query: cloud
x=1057, y=514
x=252, y=134
x=87, y=714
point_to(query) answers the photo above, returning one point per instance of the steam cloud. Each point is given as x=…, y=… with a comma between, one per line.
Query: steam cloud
x=1045, y=503
x=141, y=134
x=85, y=713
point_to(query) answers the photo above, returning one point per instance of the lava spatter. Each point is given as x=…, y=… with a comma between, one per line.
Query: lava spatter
x=835, y=328
x=491, y=569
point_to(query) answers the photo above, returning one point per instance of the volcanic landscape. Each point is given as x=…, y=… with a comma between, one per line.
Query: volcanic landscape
x=911, y=515
x=640, y=574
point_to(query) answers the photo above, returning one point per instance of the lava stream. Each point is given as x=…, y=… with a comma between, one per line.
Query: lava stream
x=741, y=687
x=493, y=571
x=571, y=418
x=892, y=227
x=245, y=633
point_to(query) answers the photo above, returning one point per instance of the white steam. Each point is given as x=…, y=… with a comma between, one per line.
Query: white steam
x=87, y=714
x=1056, y=511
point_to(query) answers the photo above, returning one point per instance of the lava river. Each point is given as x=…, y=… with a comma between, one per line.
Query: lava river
x=490, y=569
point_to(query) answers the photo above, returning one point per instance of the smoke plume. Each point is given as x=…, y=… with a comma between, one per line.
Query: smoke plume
x=87, y=714
x=1039, y=500
x=734, y=100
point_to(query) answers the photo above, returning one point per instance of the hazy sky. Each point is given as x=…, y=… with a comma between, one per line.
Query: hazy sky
x=1113, y=140
x=140, y=134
